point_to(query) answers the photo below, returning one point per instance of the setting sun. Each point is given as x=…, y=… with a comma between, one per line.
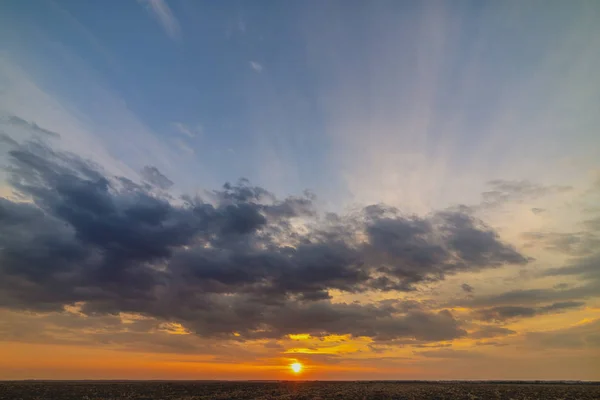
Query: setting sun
x=296, y=367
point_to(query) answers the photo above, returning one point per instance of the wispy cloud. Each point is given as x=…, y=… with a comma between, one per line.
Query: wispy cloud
x=23, y=97
x=236, y=26
x=163, y=14
x=83, y=132
x=184, y=147
x=394, y=115
x=256, y=66
x=187, y=130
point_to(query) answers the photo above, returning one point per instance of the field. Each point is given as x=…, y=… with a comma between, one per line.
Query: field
x=40, y=390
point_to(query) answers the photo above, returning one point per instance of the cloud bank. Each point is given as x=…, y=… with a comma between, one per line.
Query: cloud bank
x=236, y=262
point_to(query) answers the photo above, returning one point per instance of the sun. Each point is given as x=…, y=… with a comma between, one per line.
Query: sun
x=296, y=367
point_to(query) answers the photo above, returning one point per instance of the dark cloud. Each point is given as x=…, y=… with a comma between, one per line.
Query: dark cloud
x=561, y=286
x=449, y=353
x=467, y=288
x=30, y=126
x=412, y=249
x=232, y=262
x=490, y=343
x=153, y=176
x=503, y=313
x=538, y=211
x=4, y=138
x=432, y=346
x=587, y=268
x=490, y=331
x=531, y=297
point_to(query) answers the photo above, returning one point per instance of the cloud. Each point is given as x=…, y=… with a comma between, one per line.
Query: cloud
x=186, y=130
x=449, y=353
x=538, y=211
x=467, y=288
x=7, y=139
x=97, y=134
x=29, y=126
x=383, y=114
x=154, y=177
x=184, y=147
x=256, y=66
x=229, y=264
x=490, y=343
x=584, y=263
x=587, y=268
x=163, y=14
x=123, y=332
x=531, y=297
x=580, y=336
x=489, y=331
x=505, y=191
x=503, y=313
x=573, y=243
x=444, y=243
x=593, y=224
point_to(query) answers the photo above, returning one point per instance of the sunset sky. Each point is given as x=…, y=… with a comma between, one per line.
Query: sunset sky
x=373, y=189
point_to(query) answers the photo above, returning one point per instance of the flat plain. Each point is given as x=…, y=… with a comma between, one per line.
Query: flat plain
x=313, y=390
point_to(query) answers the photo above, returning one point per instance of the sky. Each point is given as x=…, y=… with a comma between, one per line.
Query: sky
x=376, y=190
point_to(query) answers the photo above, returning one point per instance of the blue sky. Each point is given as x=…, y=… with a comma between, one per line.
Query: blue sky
x=423, y=106
x=314, y=96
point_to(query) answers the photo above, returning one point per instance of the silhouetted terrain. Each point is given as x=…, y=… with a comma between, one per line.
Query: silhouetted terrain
x=295, y=390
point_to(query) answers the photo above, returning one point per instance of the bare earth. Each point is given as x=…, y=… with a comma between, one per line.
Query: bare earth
x=40, y=390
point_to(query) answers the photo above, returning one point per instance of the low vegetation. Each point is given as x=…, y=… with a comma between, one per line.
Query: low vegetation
x=39, y=390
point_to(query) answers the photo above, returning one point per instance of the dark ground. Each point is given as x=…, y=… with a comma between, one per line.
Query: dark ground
x=40, y=390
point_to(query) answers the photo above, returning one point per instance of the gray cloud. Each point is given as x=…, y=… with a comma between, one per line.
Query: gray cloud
x=446, y=242
x=467, y=288
x=538, y=211
x=153, y=176
x=587, y=268
x=531, y=297
x=432, y=345
x=7, y=139
x=490, y=331
x=523, y=303
x=449, y=353
x=584, y=264
x=228, y=263
x=505, y=191
x=30, y=126
x=503, y=313
x=490, y=343
x=573, y=243
x=129, y=335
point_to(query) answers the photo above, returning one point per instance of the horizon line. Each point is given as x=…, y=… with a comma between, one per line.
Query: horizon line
x=315, y=380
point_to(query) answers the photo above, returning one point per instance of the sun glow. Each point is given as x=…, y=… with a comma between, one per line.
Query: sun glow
x=296, y=367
